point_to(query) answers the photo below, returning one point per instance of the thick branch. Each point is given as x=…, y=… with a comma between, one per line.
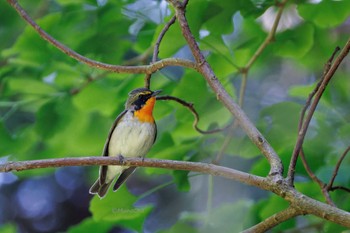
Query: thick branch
x=138, y=162
x=205, y=69
x=273, y=220
x=302, y=203
x=147, y=69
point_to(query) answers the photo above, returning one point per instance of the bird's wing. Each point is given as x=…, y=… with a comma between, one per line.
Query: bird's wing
x=103, y=171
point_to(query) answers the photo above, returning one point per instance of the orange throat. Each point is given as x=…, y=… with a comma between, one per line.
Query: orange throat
x=145, y=113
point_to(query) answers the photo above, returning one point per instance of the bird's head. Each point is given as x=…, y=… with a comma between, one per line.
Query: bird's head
x=141, y=101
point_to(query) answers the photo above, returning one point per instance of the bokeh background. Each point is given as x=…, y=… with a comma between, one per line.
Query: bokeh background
x=52, y=106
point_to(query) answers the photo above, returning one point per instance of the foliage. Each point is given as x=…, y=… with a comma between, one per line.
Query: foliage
x=53, y=106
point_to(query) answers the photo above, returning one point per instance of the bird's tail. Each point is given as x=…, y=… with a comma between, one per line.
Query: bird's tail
x=99, y=189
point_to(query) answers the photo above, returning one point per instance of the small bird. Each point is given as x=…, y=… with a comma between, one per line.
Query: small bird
x=132, y=135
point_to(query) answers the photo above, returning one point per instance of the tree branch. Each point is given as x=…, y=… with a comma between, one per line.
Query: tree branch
x=205, y=69
x=302, y=203
x=156, y=48
x=312, y=175
x=138, y=162
x=274, y=220
x=305, y=125
x=336, y=169
x=147, y=69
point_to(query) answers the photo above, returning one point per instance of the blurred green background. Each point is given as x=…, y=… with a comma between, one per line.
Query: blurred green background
x=52, y=106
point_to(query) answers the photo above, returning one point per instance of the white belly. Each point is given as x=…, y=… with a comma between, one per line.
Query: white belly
x=130, y=138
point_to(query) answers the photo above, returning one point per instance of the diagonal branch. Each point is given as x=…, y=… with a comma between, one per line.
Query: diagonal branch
x=274, y=220
x=312, y=175
x=147, y=69
x=205, y=69
x=302, y=132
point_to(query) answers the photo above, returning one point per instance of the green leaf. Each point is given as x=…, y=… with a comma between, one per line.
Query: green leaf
x=8, y=228
x=181, y=180
x=118, y=208
x=180, y=227
x=327, y=13
x=272, y=206
x=294, y=43
x=29, y=86
x=52, y=117
x=98, y=97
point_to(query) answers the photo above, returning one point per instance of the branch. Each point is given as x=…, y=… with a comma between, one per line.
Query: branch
x=138, y=162
x=312, y=175
x=156, y=49
x=302, y=203
x=205, y=69
x=274, y=220
x=190, y=107
x=302, y=132
x=336, y=169
x=147, y=69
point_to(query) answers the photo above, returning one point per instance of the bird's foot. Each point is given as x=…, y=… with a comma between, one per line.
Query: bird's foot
x=121, y=159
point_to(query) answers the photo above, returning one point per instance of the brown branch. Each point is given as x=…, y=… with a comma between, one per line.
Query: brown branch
x=190, y=107
x=305, y=124
x=312, y=175
x=222, y=95
x=340, y=188
x=147, y=69
x=138, y=162
x=336, y=169
x=302, y=203
x=274, y=220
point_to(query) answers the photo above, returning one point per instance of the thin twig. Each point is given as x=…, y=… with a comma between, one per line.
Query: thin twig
x=340, y=188
x=312, y=175
x=190, y=107
x=274, y=220
x=146, y=69
x=336, y=169
x=305, y=124
x=156, y=48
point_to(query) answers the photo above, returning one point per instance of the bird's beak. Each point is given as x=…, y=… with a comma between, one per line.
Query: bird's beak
x=155, y=93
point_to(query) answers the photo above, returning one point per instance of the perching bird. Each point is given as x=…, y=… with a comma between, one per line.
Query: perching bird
x=132, y=135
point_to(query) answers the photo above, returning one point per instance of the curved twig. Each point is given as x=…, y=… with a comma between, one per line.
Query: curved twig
x=190, y=107
x=147, y=69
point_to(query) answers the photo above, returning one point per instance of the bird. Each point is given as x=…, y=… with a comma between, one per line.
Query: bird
x=132, y=134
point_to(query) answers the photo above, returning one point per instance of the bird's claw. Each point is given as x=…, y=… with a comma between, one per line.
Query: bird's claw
x=121, y=159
